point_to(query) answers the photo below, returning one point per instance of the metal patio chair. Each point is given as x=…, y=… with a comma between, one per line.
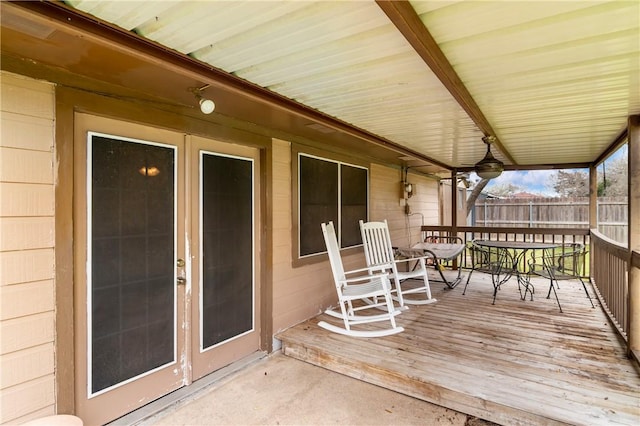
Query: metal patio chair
x=360, y=290
x=561, y=264
x=497, y=263
x=380, y=256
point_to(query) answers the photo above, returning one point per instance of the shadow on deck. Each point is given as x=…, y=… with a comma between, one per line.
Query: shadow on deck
x=515, y=362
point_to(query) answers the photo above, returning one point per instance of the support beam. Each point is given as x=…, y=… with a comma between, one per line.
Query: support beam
x=613, y=147
x=634, y=235
x=405, y=18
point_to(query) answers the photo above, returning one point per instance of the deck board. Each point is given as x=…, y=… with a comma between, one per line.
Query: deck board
x=515, y=362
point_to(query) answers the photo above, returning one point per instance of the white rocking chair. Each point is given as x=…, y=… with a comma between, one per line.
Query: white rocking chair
x=360, y=288
x=380, y=257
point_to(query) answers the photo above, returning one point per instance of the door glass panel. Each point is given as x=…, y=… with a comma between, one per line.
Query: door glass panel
x=131, y=258
x=226, y=220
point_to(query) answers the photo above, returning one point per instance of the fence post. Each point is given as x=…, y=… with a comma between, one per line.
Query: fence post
x=485, y=213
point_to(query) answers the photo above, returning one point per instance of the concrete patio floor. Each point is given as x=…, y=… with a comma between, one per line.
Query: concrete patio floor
x=279, y=390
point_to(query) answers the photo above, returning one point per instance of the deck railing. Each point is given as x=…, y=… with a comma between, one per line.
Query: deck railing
x=607, y=267
x=546, y=235
x=610, y=276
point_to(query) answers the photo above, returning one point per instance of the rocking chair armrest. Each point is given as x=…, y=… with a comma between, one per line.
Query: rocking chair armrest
x=370, y=270
x=367, y=277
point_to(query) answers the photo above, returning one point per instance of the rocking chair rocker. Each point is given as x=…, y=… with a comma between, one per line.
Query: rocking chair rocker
x=361, y=289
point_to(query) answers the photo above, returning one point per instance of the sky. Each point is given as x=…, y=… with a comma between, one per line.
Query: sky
x=535, y=181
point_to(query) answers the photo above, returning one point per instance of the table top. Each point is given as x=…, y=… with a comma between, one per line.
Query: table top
x=517, y=245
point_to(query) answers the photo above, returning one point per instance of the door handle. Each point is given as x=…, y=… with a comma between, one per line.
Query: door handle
x=181, y=281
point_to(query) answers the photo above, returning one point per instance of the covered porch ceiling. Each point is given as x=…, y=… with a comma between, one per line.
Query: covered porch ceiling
x=412, y=82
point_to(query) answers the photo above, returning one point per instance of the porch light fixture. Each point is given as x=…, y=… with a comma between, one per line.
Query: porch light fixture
x=489, y=167
x=408, y=188
x=206, y=105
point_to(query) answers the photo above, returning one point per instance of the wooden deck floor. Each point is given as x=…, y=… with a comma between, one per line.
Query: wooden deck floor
x=515, y=362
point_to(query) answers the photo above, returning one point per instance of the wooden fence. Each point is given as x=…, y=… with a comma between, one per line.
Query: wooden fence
x=550, y=212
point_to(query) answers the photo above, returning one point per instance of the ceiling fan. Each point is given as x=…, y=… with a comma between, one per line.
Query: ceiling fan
x=489, y=167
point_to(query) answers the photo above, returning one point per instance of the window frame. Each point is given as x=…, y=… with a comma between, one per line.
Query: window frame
x=297, y=153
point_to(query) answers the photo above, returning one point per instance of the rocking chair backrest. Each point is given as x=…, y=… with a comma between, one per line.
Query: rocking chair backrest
x=377, y=243
x=333, y=250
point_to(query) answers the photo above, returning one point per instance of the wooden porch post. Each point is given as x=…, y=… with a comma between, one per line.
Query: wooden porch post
x=454, y=202
x=593, y=205
x=593, y=197
x=634, y=233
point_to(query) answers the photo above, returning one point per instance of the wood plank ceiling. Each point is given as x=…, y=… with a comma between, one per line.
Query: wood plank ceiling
x=554, y=81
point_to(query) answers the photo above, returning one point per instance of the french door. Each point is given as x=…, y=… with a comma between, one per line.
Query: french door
x=165, y=262
x=225, y=309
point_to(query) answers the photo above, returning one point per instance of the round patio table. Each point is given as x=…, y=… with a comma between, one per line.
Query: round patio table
x=508, y=263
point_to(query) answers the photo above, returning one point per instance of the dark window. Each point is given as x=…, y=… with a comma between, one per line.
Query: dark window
x=330, y=191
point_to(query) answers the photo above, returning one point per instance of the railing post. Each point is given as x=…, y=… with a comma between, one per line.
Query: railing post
x=634, y=233
x=454, y=209
x=454, y=201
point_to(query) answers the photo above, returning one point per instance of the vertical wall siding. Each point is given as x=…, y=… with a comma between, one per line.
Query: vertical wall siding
x=26, y=249
x=302, y=292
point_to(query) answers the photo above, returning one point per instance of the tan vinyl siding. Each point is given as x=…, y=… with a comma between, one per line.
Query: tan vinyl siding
x=302, y=292
x=385, y=202
x=27, y=298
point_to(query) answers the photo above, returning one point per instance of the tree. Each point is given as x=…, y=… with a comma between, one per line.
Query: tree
x=475, y=192
x=505, y=190
x=612, y=182
x=571, y=183
x=616, y=183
